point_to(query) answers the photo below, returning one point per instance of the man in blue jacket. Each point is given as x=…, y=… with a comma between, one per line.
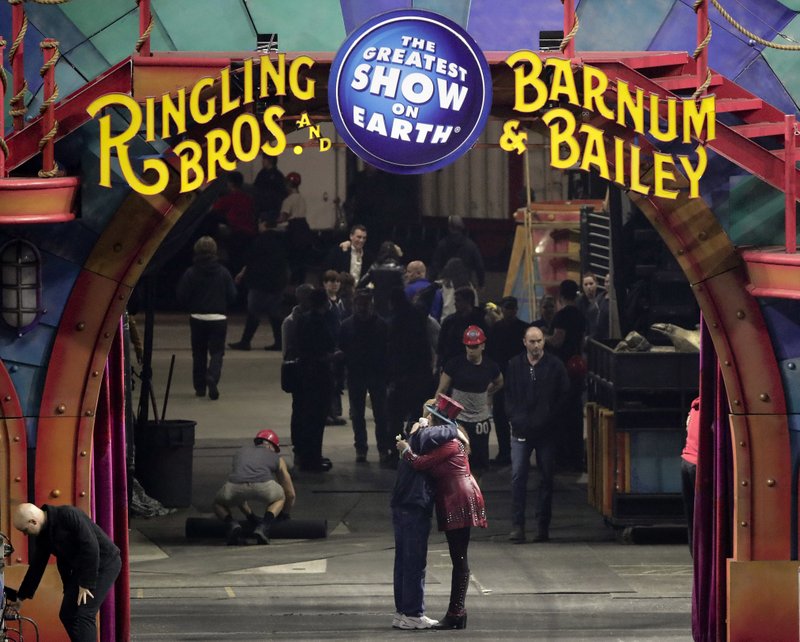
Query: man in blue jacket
x=412, y=507
x=536, y=387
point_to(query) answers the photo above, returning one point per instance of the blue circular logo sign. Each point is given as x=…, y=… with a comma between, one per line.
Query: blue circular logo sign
x=410, y=91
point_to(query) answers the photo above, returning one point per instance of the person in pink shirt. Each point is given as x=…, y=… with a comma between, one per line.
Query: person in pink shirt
x=689, y=465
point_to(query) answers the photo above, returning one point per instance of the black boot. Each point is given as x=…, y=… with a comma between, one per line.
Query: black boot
x=233, y=532
x=450, y=621
x=262, y=530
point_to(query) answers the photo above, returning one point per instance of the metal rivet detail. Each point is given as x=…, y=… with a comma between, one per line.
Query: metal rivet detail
x=17, y=478
x=89, y=413
x=83, y=453
x=55, y=493
x=95, y=373
x=7, y=398
x=19, y=560
x=726, y=362
x=763, y=396
x=740, y=314
x=702, y=236
x=736, y=402
x=791, y=365
x=744, y=482
x=743, y=524
x=80, y=326
x=771, y=482
x=83, y=493
x=715, y=325
x=16, y=437
x=106, y=335
x=680, y=252
x=61, y=409
x=741, y=443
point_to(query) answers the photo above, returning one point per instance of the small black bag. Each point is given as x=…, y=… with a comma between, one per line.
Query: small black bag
x=290, y=375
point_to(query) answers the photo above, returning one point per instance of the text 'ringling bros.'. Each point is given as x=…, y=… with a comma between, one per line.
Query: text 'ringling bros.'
x=200, y=160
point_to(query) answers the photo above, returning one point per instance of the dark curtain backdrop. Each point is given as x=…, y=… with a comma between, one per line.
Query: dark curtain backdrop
x=713, y=500
x=110, y=487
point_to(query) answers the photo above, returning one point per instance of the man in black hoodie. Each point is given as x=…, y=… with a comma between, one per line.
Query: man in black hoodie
x=88, y=563
x=206, y=290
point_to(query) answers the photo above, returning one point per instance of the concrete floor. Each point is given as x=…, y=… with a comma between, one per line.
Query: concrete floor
x=583, y=585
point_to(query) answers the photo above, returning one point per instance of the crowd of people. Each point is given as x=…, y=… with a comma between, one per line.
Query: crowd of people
x=404, y=336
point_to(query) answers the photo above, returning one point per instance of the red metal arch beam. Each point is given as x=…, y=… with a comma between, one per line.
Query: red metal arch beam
x=83, y=340
x=13, y=461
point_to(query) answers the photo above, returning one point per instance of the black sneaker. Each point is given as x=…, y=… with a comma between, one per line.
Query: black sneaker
x=213, y=391
x=260, y=533
x=239, y=345
x=233, y=534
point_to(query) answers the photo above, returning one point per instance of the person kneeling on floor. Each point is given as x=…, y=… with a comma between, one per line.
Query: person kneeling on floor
x=258, y=473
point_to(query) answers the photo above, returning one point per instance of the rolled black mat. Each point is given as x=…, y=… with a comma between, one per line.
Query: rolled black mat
x=210, y=527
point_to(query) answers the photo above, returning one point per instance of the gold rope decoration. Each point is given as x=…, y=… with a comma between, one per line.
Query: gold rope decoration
x=52, y=44
x=573, y=32
x=49, y=1
x=17, y=101
x=754, y=37
x=143, y=38
x=703, y=45
x=49, y=65
x=3, y=75
x=4, y=81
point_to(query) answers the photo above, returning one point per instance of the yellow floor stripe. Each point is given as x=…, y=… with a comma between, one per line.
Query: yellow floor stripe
x=229, y=591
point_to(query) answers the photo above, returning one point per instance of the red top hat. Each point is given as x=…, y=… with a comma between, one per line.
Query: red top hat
x=446, y=408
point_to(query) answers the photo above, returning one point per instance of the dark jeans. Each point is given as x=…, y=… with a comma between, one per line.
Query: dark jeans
x=79, y=621
x=208, y=348
x=358, y=385
x=411, y=529
x=688, y=477
x=262, y=304
x=501, y=426
x=312, y=404
x=520, y=467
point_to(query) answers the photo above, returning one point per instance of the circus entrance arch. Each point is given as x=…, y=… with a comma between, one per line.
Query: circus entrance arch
x=70, y=417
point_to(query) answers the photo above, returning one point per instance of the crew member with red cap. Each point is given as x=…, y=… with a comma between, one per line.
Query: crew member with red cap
x=258, y=473
x=471, y=379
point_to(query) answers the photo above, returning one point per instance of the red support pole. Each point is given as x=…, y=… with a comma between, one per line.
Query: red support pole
x=144, y=24
x=790, y=188
x=569, y=23
x=18, y=26
x=49, y=51
x=702, y=32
